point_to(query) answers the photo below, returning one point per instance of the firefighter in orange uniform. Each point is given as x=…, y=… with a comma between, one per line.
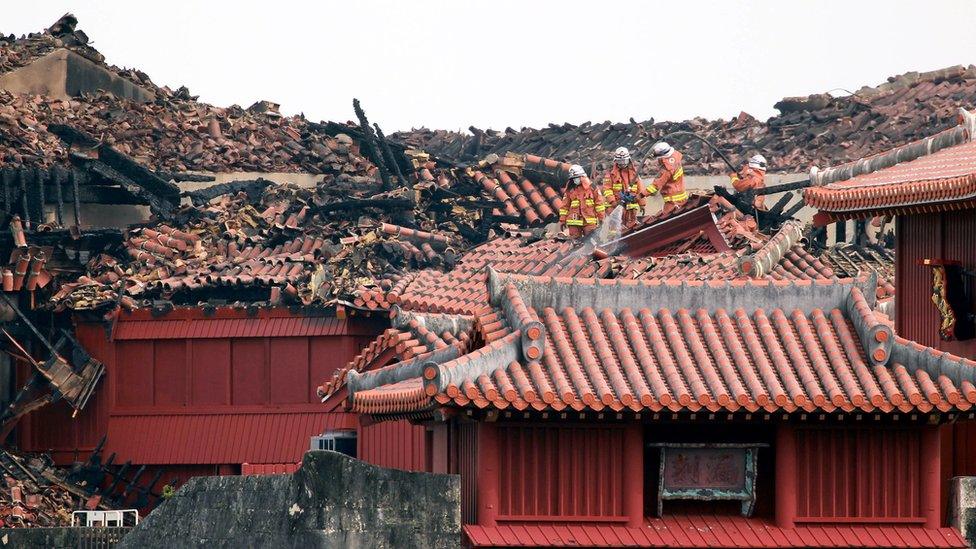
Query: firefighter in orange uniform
x=622, y=185
x=671, y=181
x=583, y=206
x=752, y=176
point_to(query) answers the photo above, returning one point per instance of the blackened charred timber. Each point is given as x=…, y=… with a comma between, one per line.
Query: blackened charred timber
x=390, y=157
x=163, y=208
x=371, y=148
x=57, y=176
x=386, y=204
x=119, y=168
x=8, y=177
x=55, y=378
x=75, y=175
x=38, y=192
x=25, y=210
x=252, y=187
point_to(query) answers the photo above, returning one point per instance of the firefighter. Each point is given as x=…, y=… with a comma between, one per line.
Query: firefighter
x=752, y=176
x=671, y=181
x=622, y=185
x=583, y=206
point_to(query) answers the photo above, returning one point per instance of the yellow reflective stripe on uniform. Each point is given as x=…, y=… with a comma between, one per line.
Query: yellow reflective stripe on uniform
x=678, y=173
x=651, y=189
x=574, y=204
x=633, y=188
x=735, y=178
x=590, y=202
x=575, y=223
x=601, y=208
x=676, y=197
x=591, y=221
x=607, y=192
x=633, y=206
x=617, y=186
x=563, y=211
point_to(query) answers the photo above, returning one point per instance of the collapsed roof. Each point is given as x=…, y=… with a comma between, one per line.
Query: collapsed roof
x=816, y=130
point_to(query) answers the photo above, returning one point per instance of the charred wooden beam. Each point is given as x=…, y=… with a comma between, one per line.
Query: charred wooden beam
x=25, y=211
x=163, y=208
x=370, y=146
x=74, y=176
x=8, y=176
x=56, y=178
x=387, y=204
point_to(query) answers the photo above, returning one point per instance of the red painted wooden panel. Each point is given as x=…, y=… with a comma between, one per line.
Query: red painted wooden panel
x=549, y=471
x=249, y=376
x=394, y=444
x=289, y=370
x=463, y=461
x=169, y=372
x=867, y=474
x=134, y=373
x=210, y=372
x=942, y=236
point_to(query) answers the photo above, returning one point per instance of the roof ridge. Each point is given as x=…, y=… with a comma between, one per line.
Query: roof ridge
x=515, y=309
x=767, y=257
x=876, y=336
x=395, y=373
x=616, y=294
x=439, y=375
x=915, y=356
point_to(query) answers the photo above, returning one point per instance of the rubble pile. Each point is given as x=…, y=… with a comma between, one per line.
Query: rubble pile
x=176, y=135
x=18, y=52
x=36, y=493
x=816, y=130
x=276, y=243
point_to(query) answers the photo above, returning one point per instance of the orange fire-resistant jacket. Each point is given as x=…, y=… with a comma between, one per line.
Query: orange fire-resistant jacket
x=748, y=179
x=671, y=181
x=583, y=205
x=619, y=179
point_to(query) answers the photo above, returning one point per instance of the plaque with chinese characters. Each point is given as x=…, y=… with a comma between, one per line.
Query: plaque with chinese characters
x=708, y=472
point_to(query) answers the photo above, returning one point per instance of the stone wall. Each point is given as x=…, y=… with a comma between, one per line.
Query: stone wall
x=331, y=501
x=60, y=538
x=962, y=507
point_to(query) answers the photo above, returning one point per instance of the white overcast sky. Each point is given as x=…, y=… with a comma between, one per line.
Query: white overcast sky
x=451, y=64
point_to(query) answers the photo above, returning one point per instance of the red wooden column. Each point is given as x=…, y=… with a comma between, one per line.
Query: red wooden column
x=633, y=475
x=930, y=476
x=487, y=474
x=438, y=450
x=785, y=476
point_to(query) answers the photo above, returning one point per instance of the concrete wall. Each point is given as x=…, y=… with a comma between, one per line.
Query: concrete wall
x=62, y=74
x=331, y=501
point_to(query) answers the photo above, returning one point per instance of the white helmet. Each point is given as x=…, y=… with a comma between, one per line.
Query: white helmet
x=621, y=156
x=758, y=162
x=662, y=150
x=576, y=172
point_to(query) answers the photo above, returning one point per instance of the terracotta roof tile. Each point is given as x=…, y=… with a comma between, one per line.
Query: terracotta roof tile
x=754, y=356
x=939, y=173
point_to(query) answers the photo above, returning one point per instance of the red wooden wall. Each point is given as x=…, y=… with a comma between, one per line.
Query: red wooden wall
x=175, y=384
x=868, y=474
x=550, y=472
x=950, y=235
x=394, y=444
x=463, y=460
